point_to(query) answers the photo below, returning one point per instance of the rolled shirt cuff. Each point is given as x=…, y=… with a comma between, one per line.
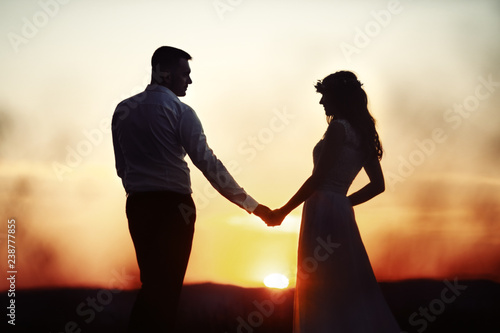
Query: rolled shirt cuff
x=249, y=204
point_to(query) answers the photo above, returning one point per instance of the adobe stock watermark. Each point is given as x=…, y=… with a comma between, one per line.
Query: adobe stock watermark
x=321, y=253
x=75, y=155
x=87, y=310
x=224, y=6
x=265, y=136
x=249, y=148
x=428, y=314
x=371, y=30
x=32, y=25
x=264, y=309
x=453, y=117
x=94, y=137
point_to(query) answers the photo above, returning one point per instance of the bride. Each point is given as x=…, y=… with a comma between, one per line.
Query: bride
x=339, y=293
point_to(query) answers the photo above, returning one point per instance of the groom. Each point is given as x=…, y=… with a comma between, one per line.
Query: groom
x=152, y=133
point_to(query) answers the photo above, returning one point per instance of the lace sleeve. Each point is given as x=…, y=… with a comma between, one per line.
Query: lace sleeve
x=351, y=137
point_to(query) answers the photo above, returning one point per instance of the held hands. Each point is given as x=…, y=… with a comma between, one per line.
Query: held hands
x=271, y=217
x=263, y=212
x=277, y=217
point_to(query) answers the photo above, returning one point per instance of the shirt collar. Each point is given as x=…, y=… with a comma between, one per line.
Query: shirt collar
x=158, y=88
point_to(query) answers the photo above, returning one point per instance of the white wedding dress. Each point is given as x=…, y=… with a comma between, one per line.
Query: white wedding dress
x=336, y=289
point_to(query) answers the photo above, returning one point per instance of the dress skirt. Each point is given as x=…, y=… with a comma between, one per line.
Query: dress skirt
x=336, y=289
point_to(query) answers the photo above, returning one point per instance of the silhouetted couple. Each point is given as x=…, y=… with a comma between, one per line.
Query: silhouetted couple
x=152, y=133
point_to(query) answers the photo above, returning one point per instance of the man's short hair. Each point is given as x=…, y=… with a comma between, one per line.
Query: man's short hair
x=165, y=57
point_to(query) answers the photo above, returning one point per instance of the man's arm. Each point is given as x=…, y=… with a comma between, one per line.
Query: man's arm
x=194, y=142
x=119, y=159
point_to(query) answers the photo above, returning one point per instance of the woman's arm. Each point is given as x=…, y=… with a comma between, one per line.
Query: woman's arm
x=374, y=187
x=334, y=139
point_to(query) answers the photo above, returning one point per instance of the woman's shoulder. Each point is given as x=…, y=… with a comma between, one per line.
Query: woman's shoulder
x=350, y=134
x=341, y=121
x=340, y=125
x=336, y=128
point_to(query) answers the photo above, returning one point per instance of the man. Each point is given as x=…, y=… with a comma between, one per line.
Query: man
x=152, y=133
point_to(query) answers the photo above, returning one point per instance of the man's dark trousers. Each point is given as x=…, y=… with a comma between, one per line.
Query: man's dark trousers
x=161, y=225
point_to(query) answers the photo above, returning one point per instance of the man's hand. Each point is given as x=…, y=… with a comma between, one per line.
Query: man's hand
x=272, y=218
x=277, y=217
x=263, y=212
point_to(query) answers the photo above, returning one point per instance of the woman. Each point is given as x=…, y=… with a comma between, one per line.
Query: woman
x=336, y=289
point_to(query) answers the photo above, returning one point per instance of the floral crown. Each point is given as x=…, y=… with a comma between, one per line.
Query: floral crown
x=338, y=82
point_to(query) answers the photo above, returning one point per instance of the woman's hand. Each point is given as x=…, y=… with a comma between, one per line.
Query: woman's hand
x=276, y=218
x=263, y=212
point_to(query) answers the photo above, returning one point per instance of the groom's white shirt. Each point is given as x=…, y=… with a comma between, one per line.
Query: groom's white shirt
x=152, y=133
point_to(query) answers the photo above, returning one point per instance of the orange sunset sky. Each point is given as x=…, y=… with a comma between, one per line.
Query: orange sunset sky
x=430, y=69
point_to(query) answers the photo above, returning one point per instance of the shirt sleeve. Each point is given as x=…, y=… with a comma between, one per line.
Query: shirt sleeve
x=194, y=142
x=119, y=159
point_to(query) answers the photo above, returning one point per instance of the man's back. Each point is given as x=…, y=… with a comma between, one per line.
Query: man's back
x=150, y=155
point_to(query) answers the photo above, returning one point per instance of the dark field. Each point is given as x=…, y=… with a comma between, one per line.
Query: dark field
x=419, y=306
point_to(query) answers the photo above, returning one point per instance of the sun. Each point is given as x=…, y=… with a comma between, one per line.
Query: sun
x=276, y=280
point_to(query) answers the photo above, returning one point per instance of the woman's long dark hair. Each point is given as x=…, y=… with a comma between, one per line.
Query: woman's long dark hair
x=351, y=103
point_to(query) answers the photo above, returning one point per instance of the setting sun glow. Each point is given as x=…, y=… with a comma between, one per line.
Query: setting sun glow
x=276, y=280
x=254, y=67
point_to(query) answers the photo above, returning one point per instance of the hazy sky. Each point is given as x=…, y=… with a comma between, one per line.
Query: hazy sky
x=430, y=69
